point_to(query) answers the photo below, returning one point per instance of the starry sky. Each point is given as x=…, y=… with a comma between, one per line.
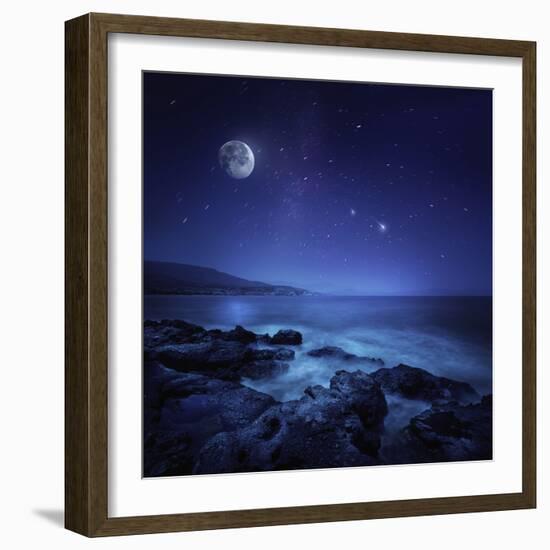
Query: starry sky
x=357, y=189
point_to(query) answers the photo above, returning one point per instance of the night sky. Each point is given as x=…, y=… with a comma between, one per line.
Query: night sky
x=357, y=188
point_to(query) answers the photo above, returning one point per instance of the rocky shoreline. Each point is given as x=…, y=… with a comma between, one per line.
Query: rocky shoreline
x=200, y=417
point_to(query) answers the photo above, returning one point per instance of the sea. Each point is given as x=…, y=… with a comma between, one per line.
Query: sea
x=446, y=335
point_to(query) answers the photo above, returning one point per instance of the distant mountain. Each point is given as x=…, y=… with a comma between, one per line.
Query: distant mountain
x=174, y=278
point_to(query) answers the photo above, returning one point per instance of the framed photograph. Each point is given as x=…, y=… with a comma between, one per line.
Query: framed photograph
x=300, y=275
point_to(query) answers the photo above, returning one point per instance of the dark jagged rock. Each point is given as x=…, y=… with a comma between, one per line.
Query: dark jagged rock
x=155, y=375
x=216, y=358
x=238, y=334
x=262, y=354
x=334, y=352
x=183, y=410
x=198, y=418
x=180, y=332
x=230, y=355
x=235, y=404
x=224, y=359
x=157, y=333
x=331, y=351
x=326, y=428
x=167, y=454
x=263, y=368
x=363, y=394
x=445, y=432
x=287, y=337
x=414, y=383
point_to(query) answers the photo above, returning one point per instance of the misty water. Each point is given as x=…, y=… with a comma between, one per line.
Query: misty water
x=448, y=336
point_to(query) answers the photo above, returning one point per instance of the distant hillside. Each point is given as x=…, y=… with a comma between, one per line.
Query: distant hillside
x=174, y=278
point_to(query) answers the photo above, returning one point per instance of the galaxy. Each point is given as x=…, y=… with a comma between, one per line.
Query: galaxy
x=341, y=188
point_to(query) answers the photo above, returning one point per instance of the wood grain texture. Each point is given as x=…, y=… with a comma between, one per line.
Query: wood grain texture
x=308, y=35
x=77, y=388
x=98, y=274
x=529, y=275
x=86, y=391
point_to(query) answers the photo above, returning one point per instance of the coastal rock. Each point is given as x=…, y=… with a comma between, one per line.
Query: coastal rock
x=415, y=383
x=363, y=394
x=199, y=418
x=334, y=352
x=238, y=334
x=174, y=331
x=226, y=359
x=263, y=354
x=155, y=375
x=217, y=358
x=235, y=404
x=157, y=333
x=230, y=355
x=183, y=410
x=339, y=426
x=287, y=337
x=263, y=368
x=445, y=432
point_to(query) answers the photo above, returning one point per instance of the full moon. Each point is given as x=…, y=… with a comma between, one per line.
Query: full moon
x=237, y=159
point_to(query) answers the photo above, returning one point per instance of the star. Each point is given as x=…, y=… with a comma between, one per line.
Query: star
x=352, y=212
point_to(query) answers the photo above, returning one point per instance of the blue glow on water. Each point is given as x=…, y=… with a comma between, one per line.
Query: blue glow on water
x=448, y=336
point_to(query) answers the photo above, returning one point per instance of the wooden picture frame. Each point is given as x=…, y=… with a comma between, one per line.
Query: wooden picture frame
x=86, y=414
